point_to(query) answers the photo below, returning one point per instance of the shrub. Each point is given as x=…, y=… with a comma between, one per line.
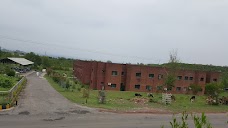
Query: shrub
x=10, y=73
x=213, y=89
x=199, y=122
x=195, y=88
x=6, y=82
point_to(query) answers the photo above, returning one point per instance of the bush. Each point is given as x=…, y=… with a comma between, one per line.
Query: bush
x=199, y=121
x=213, y=89
x=6, y=82
x=10, y=73
x=195, y=88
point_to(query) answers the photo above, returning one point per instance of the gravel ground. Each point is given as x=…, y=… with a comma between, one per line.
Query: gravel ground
x=39, y=98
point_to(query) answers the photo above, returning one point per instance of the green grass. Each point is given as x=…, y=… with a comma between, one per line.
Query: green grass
x=14, y=79
x=123, y=101
x=4, y=89
x=68, y=73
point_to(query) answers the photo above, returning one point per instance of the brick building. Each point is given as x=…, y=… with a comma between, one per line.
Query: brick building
x=127, y=77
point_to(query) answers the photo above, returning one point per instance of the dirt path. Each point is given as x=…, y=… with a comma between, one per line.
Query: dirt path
x=40, y=98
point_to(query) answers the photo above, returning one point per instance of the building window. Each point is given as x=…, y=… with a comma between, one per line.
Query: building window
x=179, y=77
x=160, y=76
x=202, y=79
x=215, y=80
x=151, y=75
x=185, y=89
x=159, y=87
x=137, y=86
x=113, y=85
x=169, y=88
x=178, y=88
x=186, y=78
x=190, y=78
x=138, y=74
x=148, y=87
x=122, y=73
x=114, y=73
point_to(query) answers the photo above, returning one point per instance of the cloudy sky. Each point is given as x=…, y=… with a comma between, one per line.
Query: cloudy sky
x=118, y=30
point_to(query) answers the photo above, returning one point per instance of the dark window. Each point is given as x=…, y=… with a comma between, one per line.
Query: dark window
x=178, y=88
x=159, y=87
x=113, y=85
x=114, y=73
x=190, y=78
x=138, y=74
x=148, y=87
x=151, y=75
x=186, y=78
x=103, y=71
x=169, y=88
x=160, y=76
x=215, y=80
x=137, y=86
x=179, y=77
x=122, y=73
x=202, y=79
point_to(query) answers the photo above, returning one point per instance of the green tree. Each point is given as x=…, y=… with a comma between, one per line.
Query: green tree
x=195, y=88
x=170, y=77
x=213, y=89
x=224, y=80
x=35, y=58
x=46, y=62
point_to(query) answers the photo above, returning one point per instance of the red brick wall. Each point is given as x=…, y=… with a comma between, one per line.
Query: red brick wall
x=82, y=70
x=98, y=74
x=113, y=79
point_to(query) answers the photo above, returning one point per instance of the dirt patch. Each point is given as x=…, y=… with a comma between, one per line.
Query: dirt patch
x=4, y=114
x=62, y=113
x=140, y=101
x=137, y=111
x=24, y=113
x=55, y=119
x=80, y=111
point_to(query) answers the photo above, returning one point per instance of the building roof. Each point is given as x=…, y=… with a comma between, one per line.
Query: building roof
x=21, y=61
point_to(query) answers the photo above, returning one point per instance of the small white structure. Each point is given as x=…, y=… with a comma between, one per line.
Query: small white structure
x=37, y=73
x=166, y=98
x=44, y=70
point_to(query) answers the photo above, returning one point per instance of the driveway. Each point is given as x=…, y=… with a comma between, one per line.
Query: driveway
x=39, y=98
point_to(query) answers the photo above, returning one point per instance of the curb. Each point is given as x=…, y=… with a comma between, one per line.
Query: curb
x=7, y=109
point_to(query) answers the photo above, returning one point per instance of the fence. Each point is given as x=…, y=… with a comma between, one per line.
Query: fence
x=10, y=96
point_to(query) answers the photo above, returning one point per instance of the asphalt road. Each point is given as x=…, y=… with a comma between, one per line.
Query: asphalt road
x=40, y=106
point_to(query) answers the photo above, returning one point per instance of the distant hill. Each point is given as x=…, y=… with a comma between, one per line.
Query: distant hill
x=199, y=67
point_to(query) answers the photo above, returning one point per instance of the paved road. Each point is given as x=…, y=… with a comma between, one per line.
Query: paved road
x=39, y=98
x=40, y=106
x=99, y=121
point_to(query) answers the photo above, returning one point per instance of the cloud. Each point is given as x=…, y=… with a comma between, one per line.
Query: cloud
x=146, y=29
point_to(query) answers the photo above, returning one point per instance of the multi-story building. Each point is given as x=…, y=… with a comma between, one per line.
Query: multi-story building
x=128, y=77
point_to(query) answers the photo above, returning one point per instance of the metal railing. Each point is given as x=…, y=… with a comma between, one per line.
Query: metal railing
x=12, y=93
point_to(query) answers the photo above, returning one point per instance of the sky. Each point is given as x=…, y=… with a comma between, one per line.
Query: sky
x=122, y=31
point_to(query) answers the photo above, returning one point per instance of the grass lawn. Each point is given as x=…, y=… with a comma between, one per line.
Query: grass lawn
x=126, y=101
x=4, y=89
x=68, y=73
x=14, y=79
